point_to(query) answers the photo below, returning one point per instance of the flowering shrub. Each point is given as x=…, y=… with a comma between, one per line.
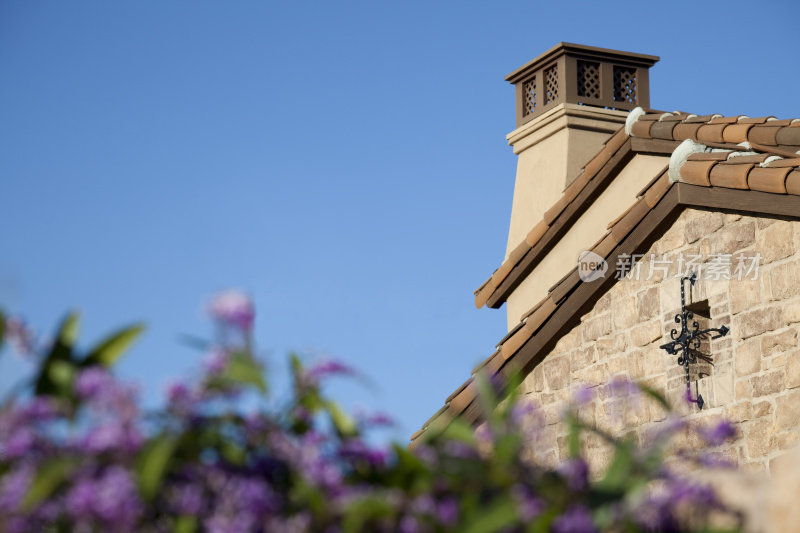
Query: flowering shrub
x=78, y=454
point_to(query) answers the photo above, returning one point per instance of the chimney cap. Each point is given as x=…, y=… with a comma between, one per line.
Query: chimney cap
x=586, y=52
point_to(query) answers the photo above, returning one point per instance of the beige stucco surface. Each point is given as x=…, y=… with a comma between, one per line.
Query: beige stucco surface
x=552, y=149
x=586, y=231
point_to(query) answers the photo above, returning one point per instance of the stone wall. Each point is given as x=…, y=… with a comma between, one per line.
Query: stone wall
x=755, y=377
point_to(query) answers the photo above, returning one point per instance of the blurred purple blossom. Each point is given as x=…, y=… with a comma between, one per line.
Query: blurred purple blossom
x=233, y=308
x=576, y=473
x=19, y=336
x=528, y=505
x=718, y=433
x=576, y=519
x=328, y=368
x=111, y=498
x=447, y=511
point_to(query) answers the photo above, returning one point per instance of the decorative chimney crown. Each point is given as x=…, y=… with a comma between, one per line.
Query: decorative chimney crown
x=583, y=75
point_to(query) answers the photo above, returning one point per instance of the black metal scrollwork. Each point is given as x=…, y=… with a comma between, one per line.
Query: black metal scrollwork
x=687, y=340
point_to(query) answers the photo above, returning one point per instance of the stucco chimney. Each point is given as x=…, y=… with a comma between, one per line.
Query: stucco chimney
x=569, y=101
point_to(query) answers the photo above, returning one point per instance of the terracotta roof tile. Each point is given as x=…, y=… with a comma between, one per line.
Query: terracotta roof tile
x=491, y=364
x=696, y=172
x=657, y=190
x=763, y=134
x=785, y=162
x=630, y=220
x=754, y=120
x=685, y=130
x=790, y=135
x=512, y=345
x=662, y=130
x=726, y=120
x=731, y=176
x=641, y=128
x=710, y=156
x=736, y=133
x=711, y=133
x=740, y=158
x=793, y=182
x=607, y=243
x=768, y=179
x=715, y=129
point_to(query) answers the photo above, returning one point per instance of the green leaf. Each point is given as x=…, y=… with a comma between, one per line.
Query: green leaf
x=112, y=347
x=574, y=436
x=363, y=510
x=51, y=475
x=153, y=463
x=244, y=370
x=68, y=331
x=344, y=424
x=61, y=351
x=185, y=524
x=649, y=391
x=621, y=468
x=498, y=515
x=61, y=374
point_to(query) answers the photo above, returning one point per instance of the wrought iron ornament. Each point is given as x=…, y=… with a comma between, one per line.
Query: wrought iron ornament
x=687, y=341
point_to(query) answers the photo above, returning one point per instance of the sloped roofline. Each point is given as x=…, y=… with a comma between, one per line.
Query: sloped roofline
x=648, y=133
x=721, y=179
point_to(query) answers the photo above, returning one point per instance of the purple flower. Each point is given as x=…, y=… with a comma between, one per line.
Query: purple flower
x=13, y=487
x=583, y=395
x=215, y=362
x=576, y=519
x=447, y=512
x=112, y=436
x=19, y=336
x=110, y=498
x=328, y=368
x=187, y=498
x=94, y=383
x=233, y=308
x=521, y=411
x=409, y=524
x=528, y=505
x=356, y=450
x=719, y=433
x=576, y=473
x=19, y=444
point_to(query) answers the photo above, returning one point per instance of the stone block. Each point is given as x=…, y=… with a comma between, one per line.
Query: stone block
x=625, y=313
x=747, y=359
x=556, y=372
x=785, y=280
x=646, y=333
x=733, y=238
x=759, y=438
x=596, y=327
x=766, y=384
x=778, y=342
x=763, y=408
x=787, y=411
x=756, y=322
x=744, y=294
x=775, y=242
x=792, y=369
x=740, y=412
x=611, y=346
x=648, y=303
x=699, y=226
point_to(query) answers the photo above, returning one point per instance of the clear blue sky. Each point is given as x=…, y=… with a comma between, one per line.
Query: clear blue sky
x=345, y=163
